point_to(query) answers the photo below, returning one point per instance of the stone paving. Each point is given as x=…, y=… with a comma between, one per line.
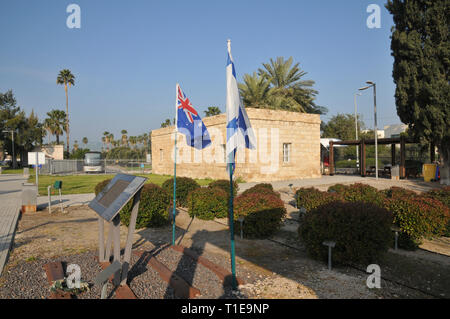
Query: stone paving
x=10, y=201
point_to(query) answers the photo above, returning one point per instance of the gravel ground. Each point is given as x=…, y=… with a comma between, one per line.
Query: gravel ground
x=142, y=279
x=14, y=286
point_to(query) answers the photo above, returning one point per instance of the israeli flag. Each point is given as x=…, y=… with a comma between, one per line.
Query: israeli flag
x=239, y=131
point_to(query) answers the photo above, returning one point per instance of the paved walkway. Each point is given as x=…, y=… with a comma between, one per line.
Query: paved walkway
x=67, y=200
x=10, y=202
x=324, y=180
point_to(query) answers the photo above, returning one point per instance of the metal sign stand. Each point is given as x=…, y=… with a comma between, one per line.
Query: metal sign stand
x=107, y=204
x=113, y=241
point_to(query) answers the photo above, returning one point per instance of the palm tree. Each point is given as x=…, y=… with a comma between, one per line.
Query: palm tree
x=167, y=123
x=133, y=141
x=103, y=142
x=55, y=123
x=212, y=110
x=111, y=140
x=288, y=90
x=68, y=79
x=85, y=141
x=106, y=135
x=255, y=90
x=75, y=145
x=124, y=137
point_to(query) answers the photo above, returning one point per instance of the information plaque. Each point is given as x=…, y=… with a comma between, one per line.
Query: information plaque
x=108, y=203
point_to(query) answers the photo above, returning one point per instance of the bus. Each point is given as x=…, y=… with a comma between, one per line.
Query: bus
x=93, y=162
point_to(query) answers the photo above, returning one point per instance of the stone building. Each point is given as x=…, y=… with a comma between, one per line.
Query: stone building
x=288, y=147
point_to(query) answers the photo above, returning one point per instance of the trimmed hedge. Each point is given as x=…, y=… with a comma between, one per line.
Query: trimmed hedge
x=398, y=192
x=153, y=208
x=208, y=203
x=263, y=188
x=262, y=213
x=440, y=194
x=363, y=193
x=184, y=186
x=99, y=187
x=311, y=198
x=225, y=185
x=418, y=217
x=337, y=188
x=362, y=231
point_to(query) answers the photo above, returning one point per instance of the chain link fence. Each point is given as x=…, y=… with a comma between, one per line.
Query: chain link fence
x=104, y=166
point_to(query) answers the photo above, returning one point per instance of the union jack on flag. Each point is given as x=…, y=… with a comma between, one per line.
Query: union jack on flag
x=190, y=123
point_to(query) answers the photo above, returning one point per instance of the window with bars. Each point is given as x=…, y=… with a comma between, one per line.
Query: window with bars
x=286, y=152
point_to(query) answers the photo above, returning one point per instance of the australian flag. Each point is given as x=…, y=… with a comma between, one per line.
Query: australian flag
x=190, y=123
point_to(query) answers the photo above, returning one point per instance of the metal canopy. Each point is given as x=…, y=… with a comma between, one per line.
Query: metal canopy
x=108, y=203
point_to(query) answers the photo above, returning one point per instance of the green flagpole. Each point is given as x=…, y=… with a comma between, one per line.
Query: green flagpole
x=231, y=213
x=174, y=212
x=174, y=191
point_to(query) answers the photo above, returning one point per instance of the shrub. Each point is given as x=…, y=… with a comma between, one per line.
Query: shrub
x=184, y=186
x=225, y=185
x=208, y=203
x=363, y=193
x=153, y=208
x=361, y=231
x=419, y=217
x=338, y=188
x=263, y=188
x=398, y=192
x=442, y=195
x=99, y=187
x=311, y=198
x=262, y=213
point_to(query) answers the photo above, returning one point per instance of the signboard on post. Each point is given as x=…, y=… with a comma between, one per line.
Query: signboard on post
x=32, y=158
x=107, y=204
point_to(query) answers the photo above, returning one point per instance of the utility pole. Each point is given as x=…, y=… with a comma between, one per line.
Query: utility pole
x=372, y=84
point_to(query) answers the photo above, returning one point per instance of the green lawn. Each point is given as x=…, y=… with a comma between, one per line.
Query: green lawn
x=80, y=184
x=7, y=170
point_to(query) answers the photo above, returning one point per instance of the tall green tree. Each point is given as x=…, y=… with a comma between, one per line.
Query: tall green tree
x=66, y=78
x=85, y=141
x=279, y=85
x=28, y=131
x=55, y=123
x=124, y=137
x=255, y=91
x=421, y=50
x=342, y=126
x=212, y=110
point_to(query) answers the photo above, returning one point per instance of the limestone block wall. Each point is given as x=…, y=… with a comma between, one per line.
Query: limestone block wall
x=277, y=132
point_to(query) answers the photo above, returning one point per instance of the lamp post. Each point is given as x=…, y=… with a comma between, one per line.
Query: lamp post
x=372, y=84
x=13, y=154
x=356, y=129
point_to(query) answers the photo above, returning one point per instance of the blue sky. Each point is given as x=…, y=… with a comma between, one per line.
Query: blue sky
x=128, y=55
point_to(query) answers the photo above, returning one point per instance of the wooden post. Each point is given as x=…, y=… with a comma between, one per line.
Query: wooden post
x=402, y=157
x=331, y=158
x=393, y=154
x=363, y=158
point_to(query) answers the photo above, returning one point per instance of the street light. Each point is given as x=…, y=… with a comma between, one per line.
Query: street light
x=356, y=129
x=372, y=84
x=13, y=155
